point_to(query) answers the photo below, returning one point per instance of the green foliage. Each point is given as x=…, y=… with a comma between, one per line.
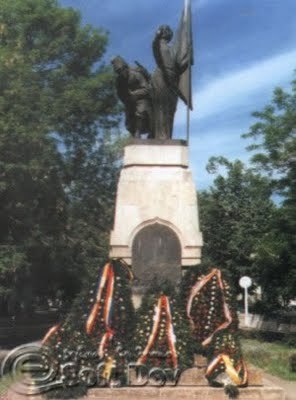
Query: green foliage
x=235, y=215
x=275, y=154
x=6, y=382
x=271, y=357
x=244, y=232
x=275, y=137
x=59, y=164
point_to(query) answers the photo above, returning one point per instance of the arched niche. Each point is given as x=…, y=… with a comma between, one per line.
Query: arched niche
x=156, y=256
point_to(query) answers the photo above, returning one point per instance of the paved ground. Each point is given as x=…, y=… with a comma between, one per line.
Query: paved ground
x=288, y=386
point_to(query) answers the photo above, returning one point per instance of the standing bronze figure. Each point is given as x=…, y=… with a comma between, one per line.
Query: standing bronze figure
x=164, y=84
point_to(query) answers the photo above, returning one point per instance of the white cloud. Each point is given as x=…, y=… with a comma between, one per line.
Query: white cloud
x=197, y=4
x=241, y=87
x=215, y=142
x=236, y=93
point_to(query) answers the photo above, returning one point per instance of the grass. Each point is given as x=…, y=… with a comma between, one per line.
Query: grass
x=271, y=357
x=5, y=382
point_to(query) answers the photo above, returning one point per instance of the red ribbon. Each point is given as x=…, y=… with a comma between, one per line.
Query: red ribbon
x=163, y=304
x=196, y=289
x=107, y=278
x=50, y=333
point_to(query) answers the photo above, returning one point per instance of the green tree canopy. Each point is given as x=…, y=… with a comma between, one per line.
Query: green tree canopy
x=275, y=154
x=58, y=165
x=235, y=214
x=246, y=232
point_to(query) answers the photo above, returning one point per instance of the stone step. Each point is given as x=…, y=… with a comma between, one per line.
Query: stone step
x=196, y=377
x=185, y=393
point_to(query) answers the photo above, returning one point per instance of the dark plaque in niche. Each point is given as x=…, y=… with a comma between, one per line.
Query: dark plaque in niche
x=156, y=257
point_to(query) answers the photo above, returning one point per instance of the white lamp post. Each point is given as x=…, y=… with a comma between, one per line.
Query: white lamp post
x=245, y=282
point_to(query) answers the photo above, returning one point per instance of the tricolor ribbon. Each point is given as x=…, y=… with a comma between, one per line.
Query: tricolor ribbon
x=106, y=281
x=170, y=332
x=163, y=304
x=104, y=342
x=232, y=371
x=196, y=289
x=50, y=333
x=127, y=268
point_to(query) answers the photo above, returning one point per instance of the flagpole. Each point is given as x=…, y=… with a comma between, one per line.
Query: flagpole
x=188, y=110
x=187, y=6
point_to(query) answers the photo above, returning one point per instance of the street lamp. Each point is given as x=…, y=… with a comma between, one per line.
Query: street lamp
x=245, y=282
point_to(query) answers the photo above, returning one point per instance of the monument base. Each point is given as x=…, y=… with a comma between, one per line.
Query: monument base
x=185, y=392
x=170, y=393
x=156, y=187
x=192, y=385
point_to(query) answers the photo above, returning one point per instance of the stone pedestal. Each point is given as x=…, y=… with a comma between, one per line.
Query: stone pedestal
x=156, y=215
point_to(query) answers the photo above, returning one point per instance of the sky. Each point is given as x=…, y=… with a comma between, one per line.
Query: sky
x=243, y=49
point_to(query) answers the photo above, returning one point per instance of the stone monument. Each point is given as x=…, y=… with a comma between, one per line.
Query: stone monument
x=156, y=227
x=188, y=345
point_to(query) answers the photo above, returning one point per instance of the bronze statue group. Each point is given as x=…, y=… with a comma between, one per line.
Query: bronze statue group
x=150, y=100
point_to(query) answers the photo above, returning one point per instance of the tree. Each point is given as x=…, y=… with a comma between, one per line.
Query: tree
x=275, y=147
x=235, y=215
x=276, y=133
x=57, y=101
x=90, y=212
x=245, y=232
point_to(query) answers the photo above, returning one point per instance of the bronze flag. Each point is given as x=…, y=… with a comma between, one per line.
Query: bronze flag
x=184, y=54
